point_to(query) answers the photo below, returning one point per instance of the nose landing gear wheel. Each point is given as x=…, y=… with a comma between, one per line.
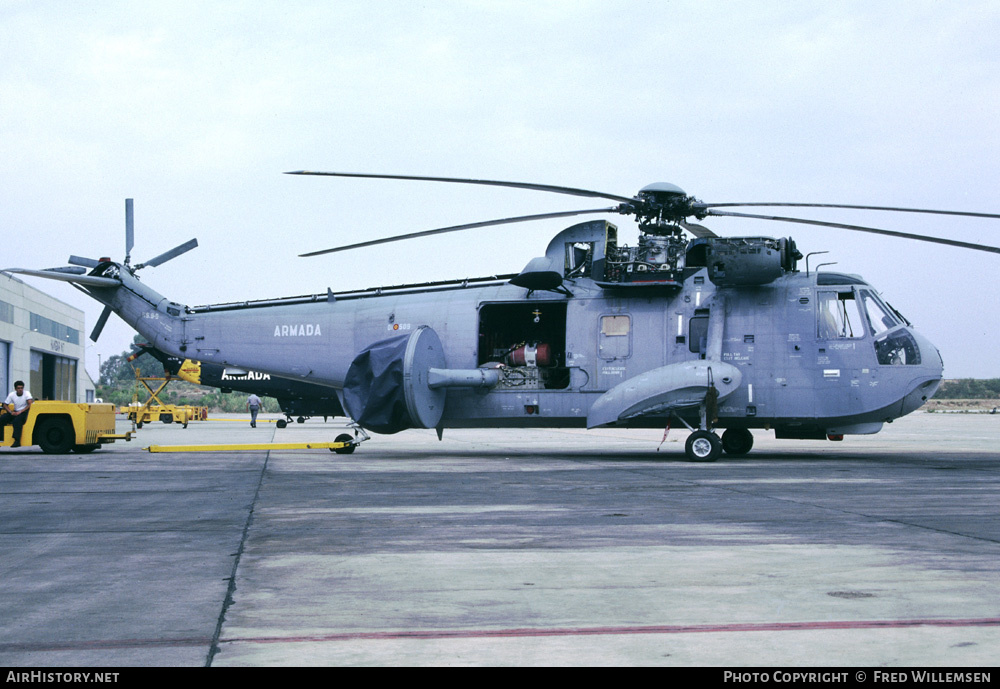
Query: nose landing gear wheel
x=703, y=446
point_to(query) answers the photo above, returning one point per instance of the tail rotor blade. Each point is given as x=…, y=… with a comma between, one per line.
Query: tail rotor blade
x=173, y=253
x=99, y=326
x=129, y=229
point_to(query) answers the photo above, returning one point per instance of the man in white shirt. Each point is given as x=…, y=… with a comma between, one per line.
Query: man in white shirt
x=253, y=406
x=15, y=411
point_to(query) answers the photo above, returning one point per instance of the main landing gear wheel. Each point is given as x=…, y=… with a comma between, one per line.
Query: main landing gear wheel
x=737, y=441
x=281, y=423
x=703, y=446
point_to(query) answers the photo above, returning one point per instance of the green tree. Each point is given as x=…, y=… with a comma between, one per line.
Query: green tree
x=970, y=388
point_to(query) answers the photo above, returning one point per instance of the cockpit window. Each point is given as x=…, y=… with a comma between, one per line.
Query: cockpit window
x=879, y=317
x=838, y=316
x=841, y=314
x=897, y=348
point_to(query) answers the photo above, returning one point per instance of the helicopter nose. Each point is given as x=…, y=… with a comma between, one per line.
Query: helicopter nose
x=930, y=356
x=921, y=391
x=923, y=387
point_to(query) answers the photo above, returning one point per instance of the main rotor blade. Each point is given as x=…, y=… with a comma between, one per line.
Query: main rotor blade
x=696, y=229
x=69, y=270
x=863, y=208
x=858, y=228
x=99, y=326
x=167, y=255
x=456, y=228
x=487, y=182
x=83, y=261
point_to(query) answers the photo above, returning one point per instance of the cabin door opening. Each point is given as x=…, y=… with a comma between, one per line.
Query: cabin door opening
x=529, y=338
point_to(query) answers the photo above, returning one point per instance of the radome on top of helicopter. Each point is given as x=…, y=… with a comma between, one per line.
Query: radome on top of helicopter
x=712, y=332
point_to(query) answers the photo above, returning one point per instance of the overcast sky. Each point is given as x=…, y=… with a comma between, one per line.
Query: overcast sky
x=195, y=109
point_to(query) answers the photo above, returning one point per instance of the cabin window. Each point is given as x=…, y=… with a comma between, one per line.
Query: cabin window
x=615, y=326
x=615, y=341
x=698, y=335
x=838, y=316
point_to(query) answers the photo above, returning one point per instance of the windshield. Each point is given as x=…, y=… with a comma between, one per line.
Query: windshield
x=879, y=318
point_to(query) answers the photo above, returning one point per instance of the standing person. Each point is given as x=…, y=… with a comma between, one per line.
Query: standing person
x=253, y=406
x=15, y=410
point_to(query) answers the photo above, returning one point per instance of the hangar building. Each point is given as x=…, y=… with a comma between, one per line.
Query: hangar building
x=42, y=343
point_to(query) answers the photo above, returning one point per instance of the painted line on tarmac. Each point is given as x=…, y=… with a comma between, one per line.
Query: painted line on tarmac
x=595, y=631
x=500, y=633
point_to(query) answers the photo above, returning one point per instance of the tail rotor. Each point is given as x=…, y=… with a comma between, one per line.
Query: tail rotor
x=84, y=262
x=130, y=243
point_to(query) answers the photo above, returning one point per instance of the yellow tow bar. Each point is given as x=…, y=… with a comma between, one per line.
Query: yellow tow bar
x=339, y=447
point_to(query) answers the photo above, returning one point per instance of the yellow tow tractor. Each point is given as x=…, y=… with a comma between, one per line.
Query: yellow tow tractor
x=59, y=427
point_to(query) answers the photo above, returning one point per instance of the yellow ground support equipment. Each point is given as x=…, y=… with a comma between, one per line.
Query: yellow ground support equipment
x=167, y=413
x=58, y=427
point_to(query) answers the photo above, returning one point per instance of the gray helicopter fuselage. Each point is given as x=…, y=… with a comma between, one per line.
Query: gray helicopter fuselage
x=711, y=331
x=812, y=354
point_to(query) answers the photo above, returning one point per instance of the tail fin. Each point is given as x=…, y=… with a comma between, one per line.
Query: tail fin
x=65, y=276
x=115, y=286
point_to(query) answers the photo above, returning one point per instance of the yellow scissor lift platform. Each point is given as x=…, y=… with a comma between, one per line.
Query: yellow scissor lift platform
x=167, y=413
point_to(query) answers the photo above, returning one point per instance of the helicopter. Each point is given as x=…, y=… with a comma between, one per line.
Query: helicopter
x=297, y=400
x=709, y=332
